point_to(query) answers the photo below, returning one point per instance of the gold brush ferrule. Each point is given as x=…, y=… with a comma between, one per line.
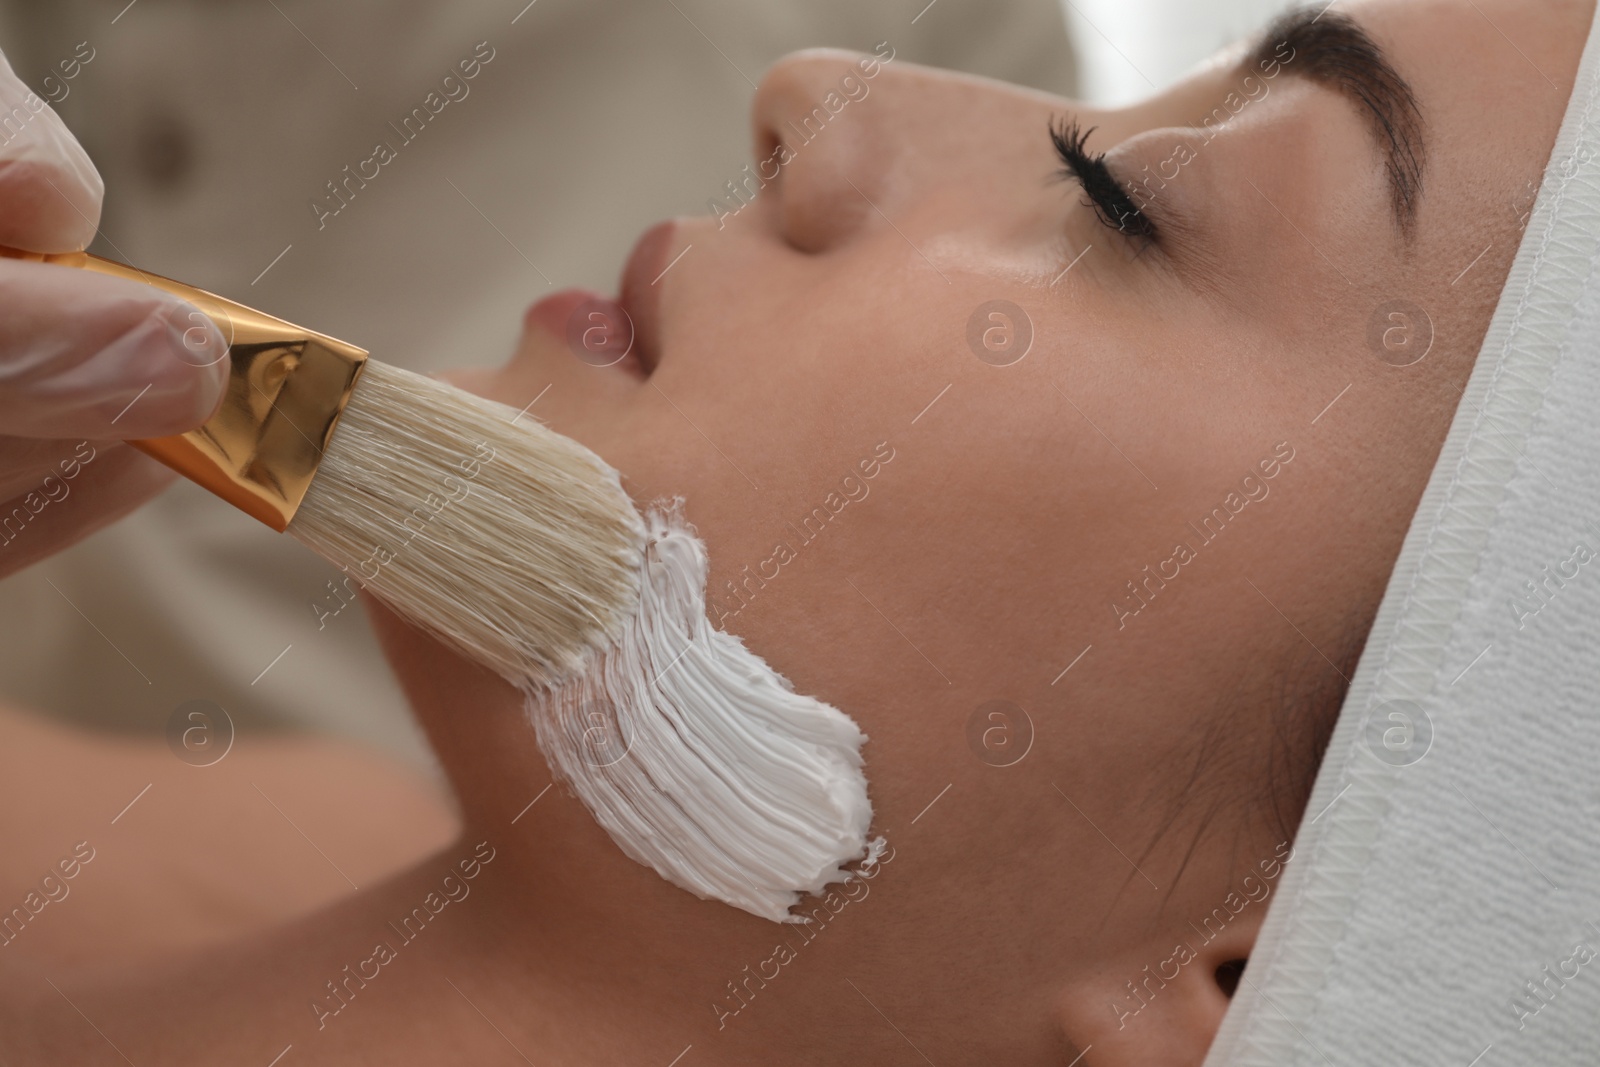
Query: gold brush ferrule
x=287, y=387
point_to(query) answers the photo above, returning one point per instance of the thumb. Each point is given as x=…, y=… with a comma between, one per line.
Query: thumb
x=89, y=355
x=49, y=189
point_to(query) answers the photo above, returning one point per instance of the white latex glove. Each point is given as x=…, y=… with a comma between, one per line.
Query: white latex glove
x=77, y=349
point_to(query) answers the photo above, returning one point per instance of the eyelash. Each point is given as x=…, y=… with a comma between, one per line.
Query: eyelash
x=1111, y=202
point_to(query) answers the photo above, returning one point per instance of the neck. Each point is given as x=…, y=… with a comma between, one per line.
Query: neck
x=522, y=934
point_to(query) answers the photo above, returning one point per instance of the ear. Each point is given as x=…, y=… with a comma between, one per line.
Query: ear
x=1162, y=1003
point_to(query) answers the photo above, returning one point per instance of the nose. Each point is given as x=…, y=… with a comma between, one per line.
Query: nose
x=822, y=136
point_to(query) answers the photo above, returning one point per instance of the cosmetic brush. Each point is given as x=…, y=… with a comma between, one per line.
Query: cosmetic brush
x=516, y=546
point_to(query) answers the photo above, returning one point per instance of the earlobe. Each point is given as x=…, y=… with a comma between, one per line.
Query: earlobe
x=1161, y=1004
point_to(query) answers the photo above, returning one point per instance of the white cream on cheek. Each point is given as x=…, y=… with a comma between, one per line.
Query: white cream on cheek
x=698, y=759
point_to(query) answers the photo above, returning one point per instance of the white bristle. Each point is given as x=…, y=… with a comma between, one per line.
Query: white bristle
x=511, y=543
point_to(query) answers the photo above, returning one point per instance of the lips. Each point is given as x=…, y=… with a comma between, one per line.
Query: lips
x=625, y=332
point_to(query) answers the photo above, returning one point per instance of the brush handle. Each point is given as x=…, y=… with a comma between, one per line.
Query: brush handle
x=286, y=388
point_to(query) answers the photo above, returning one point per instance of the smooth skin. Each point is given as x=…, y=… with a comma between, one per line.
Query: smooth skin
x=823, y=320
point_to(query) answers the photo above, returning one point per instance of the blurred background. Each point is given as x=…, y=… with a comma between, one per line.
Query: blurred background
x=217, y=123
x=1129, y=49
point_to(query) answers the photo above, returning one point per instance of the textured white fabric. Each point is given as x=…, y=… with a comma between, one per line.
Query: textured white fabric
x=1426, y=892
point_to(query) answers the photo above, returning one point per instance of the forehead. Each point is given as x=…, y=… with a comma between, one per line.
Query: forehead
x=1492, y=80
x=1482, y=68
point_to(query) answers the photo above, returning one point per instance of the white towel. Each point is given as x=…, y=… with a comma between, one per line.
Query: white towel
x=1444, y=903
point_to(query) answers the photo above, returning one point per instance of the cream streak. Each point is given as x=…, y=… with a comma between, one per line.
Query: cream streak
x=698, y=759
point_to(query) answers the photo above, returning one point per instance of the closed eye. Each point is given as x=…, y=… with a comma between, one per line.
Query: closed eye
x=1110, y=200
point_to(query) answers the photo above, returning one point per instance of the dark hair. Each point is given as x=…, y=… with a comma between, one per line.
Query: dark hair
x=1228, y=770
x=1310, y=696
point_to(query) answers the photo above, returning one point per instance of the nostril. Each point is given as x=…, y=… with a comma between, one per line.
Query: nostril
x=766, y=143
x=818, y=131
x=1228, y=974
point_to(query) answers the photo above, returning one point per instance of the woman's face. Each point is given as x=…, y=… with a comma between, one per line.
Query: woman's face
x=932, y=416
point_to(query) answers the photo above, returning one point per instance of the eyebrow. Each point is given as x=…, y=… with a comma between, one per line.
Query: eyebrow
x=1334, y=51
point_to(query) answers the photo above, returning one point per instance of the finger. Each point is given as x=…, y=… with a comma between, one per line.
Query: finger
x=89, y=355
x=50, y=192
x=26, y=461
x=117, y=480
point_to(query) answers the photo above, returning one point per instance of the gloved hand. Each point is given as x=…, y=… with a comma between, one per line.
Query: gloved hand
x=86, y=360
